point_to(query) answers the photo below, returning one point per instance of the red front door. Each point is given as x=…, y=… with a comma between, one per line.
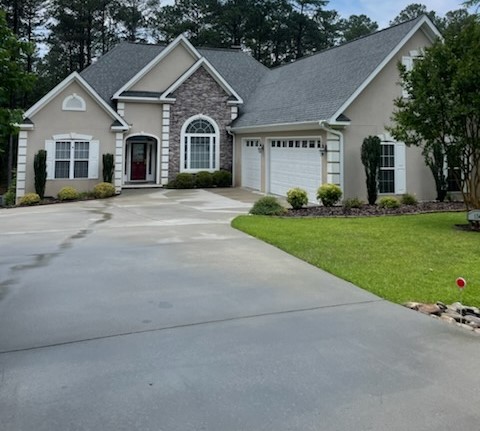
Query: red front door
x=139, y=162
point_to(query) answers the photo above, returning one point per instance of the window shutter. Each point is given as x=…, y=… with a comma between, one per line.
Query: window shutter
x=400, y=169
x=50, y=149
x=93, y=155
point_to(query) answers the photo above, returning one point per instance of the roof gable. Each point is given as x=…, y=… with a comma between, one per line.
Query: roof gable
x=75, y=77
x=203, y=62
x=180, y=40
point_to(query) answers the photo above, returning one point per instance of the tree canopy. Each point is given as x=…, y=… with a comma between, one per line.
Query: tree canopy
x=442, y=113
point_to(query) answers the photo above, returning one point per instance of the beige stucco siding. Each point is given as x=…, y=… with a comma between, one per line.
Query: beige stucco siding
x=167, y=71
x=265, y=137
x=144, y=118
x=52, y=120
x=370, y=114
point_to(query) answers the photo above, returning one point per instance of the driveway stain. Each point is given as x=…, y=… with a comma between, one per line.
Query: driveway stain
x=44, y=259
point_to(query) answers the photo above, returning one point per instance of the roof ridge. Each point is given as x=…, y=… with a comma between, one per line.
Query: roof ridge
x=348, y=42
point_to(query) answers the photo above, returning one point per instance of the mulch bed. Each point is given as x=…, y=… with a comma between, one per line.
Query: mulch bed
x=375, y=210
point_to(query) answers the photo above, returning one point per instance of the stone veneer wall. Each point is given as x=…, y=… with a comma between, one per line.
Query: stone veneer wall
x=200, y=94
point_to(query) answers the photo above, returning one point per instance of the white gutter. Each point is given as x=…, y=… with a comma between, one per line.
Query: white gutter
x=234, y=150
x=324, y=125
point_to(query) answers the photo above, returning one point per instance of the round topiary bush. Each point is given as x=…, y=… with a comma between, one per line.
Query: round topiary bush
x=104, y=190
x=268, y=205
x=222, y=178
x=297, y=198
x=184, y=180
x=203, y=179
x=408, y=199
x=389, y=202
x=329, y=194
x=30, y=199
x=67, y=194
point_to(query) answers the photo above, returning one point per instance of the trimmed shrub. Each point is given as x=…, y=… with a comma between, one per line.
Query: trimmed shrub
x=408, y=199
x=108, y=167
x=104, y=190
x=30, y=199
x=370, y=156
x=184, y=180
x=389, y=202
x=269, y=206
x=329, y=194
x=222, y=178
x=40, y=169
x=203, y=179
x=10, y=196
x=297, y=198
x=352, y=203
x=67, y=194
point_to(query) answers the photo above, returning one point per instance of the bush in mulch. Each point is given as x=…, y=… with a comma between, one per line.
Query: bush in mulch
x=375, y=210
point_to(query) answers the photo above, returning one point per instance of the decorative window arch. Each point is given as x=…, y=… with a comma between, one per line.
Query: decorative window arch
x=74, y=102
x=200, y=150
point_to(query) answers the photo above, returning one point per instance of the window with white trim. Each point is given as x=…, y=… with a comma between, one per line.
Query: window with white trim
x=408, y=61
x=72, y=158
x=74, y=102
x=386, y=177
x=200, y=145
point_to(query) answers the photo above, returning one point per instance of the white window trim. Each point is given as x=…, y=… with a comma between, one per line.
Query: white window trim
x=93, y=156
x=183, y=135
x=408, y=62
x=68, y=99
x=399, y=163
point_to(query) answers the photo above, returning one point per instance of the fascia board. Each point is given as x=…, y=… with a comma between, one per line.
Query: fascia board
x=213, y=72
x=180, y=39
x=424, y=21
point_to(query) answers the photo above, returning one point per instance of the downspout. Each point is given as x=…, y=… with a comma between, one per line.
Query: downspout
x=234, y=150
x=324, y=125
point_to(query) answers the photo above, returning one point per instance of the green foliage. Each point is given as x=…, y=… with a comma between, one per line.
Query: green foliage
x=357, y=26
x=30, y=199
x=329, y=194
x=443, y=106
x=268, y=206
x=222, y=178
x=352, y=203
x=408, y=199
x=67, y=194
x=14, y=83
x=297, y=198
x=184, y=180
x=370, y=155
x=108, y=167
x=374, y=252
x=389, y=202
x=104, y=190
x=40, y=168
x=203, y=179
x=10, y=197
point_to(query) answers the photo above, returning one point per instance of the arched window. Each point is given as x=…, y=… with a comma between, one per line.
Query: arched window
x=73, y=103
x=200, y=139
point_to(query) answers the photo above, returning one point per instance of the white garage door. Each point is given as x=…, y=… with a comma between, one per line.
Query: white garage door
x=251, y=164
x=295, y=163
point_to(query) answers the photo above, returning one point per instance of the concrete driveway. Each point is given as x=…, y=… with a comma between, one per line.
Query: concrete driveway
x=149, y=312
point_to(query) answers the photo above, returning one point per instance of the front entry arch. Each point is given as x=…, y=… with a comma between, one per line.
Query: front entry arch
x=141, y=153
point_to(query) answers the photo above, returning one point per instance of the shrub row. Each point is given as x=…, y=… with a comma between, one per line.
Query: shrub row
x=202, y=180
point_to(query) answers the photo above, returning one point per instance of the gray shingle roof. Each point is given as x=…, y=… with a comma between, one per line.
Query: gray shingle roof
x=118, y=66
x=312, y=88
x=315, y=87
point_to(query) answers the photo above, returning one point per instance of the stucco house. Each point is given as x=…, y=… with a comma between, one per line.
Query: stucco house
x=165, y=109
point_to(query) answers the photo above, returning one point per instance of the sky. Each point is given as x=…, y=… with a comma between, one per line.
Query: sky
x=385, y=11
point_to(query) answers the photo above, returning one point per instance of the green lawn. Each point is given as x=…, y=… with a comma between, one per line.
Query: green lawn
x=400, y=258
